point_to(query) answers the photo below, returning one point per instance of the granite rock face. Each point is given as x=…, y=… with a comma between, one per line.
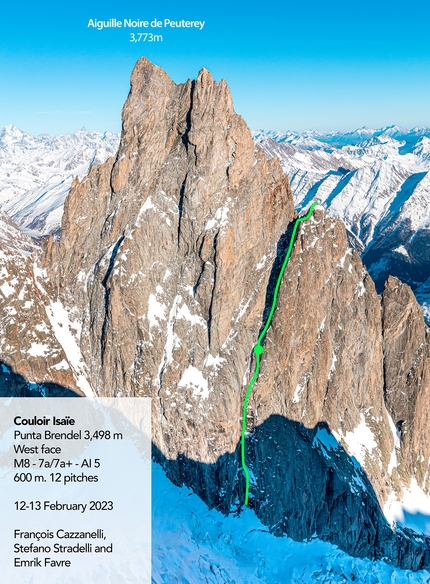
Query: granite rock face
x=32, y=361
x=167, y=250
x=407, y=378
x=167, y=261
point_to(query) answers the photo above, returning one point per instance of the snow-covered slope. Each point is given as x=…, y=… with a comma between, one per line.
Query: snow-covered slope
x=13, y=239
x=37, y=171
x=38, y=350
x=378, y=183
x=192, y=544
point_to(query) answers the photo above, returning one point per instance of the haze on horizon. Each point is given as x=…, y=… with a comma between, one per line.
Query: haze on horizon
x=12, y=130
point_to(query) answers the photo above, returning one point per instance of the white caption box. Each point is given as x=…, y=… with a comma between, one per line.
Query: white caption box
x=75, y=490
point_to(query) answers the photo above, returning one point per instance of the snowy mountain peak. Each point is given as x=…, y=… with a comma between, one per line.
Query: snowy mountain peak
x=363, y=131
x=393, y=131
x=36, y=173
x=381, y=139
x=11, y=133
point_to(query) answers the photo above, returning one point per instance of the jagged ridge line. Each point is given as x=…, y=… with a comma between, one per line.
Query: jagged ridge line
x=259, y=350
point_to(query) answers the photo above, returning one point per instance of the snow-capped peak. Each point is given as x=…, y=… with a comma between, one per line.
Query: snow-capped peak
x=36, y=173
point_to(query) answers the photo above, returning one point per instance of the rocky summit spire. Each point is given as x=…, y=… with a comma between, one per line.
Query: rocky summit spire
x=167, y=261
x=166, y=243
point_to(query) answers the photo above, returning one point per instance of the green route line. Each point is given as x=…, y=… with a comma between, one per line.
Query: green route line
x=259, y=350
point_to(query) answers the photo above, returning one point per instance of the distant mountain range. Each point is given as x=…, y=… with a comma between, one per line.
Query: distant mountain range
x=378, y=183
x=36, y=173
x=318, y=140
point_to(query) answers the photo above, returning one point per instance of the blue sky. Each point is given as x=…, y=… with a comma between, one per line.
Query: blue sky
x=320, y=64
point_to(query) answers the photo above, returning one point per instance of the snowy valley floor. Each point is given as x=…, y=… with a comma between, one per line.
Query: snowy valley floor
x=192, y=544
